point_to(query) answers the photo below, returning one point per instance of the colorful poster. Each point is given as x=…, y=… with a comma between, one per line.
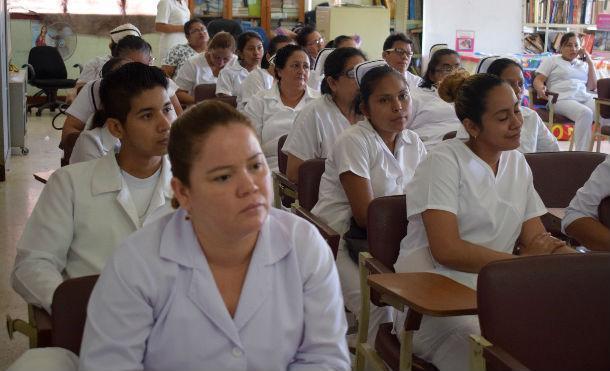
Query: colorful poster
x=464, y=41
x=603, y=22
x=41, y=35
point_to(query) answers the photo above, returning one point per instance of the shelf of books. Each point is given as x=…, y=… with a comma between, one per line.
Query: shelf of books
x=286, y=13
x=252, y=13
x=413, y=27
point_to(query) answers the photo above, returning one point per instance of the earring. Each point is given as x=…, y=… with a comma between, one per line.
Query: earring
x=187, y=216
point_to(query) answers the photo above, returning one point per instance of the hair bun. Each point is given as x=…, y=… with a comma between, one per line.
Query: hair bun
x=450, y=85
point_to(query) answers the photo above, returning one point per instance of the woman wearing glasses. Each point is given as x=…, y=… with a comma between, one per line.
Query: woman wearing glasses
x=397, y=52
x=373, y=158
x=319, y=123
x=249, y=53
x=205, y=68
x=432, y=117
x=273, y=112
x=197, y=42
x=311, y=41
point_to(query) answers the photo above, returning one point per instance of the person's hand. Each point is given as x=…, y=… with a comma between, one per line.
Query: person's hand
x=582, y=54
x=541, y=93
x=542, y=244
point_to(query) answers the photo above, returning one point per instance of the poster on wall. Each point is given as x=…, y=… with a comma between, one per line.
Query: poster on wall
x=41, y=35
x=464, y=41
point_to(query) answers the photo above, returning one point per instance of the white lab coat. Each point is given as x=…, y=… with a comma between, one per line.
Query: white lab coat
x=172, y=12
x=431, y=117
x=587, y=199
x=413, y=80
x=568, y=79
x=92, y=70
x=94, y=143
x=156, y=305
x=84, y=212
x=316, y=129
x=230, y=79
x=256, y=81
x=195, y=71
x=272, y=119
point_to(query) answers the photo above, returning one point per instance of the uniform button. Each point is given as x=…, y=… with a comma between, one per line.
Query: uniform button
x=399, y=180
x=236, y=352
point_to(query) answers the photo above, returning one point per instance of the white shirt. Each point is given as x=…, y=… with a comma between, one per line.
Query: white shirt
x=587, y=199
x=490, y=209
x=316, y=129
x=568, y=79
x=83, y=213
x=196, y=71
x=230, y=79
x=535, y=136
x=257, y=80
x=413, y=81
x=172, y=12
x=290, y=314
x=142, y=191
x=94, y=143
x=93, y=69
x=432, y=117
x=88, y=99
x=360, y=150
x=272, y=119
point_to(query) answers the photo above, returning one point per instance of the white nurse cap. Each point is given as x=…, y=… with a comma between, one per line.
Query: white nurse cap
x=363, y=68
x=123, y=30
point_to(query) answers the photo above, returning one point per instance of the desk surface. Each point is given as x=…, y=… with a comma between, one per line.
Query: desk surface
x=43, y=176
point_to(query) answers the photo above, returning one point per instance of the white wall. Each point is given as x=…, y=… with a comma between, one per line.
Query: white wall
x=497, y=24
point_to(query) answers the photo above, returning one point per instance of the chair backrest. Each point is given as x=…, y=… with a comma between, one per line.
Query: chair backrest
x=603, y=92
x=204, y=91
x=386, y=227
x=47, y=63
x=228, y=25
x=450, y=135
x=282, y=158
x=230, y=100
x=310, y=174
x=69, y=312
x=558, y=175
x=549, y=312
x=603, y=212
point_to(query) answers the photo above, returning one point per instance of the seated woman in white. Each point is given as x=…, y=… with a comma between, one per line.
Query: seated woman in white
x=249, y=55
x=535, y=136
x=582, y=220
x=273, y=112
x=319, y=123
x=204, y=68
x=397, y=52
x=375, y=157
x=469, y=204
x=432, y=116
x=571, y=74
x=86, y=103
x=225, y=282
x=85, y=210
x=262, y=78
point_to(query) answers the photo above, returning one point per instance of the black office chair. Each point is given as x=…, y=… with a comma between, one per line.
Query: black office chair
x=228, y=25
x=47, y=72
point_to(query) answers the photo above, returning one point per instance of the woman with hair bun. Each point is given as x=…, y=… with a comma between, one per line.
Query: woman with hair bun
x=470, y=203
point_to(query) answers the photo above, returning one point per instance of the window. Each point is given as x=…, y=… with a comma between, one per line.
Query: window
x=106, y=7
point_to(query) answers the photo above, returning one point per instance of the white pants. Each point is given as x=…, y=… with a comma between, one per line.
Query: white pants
x=582, y=114
x=48, y=359
x=444, y=341
x=350, y=285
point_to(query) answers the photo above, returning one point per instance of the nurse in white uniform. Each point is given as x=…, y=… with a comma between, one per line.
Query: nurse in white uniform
x=582, y=220
x=262, y=78
x=432, y=116
x=375, y=157
x=225, y=282
x=204, y=68
x=273, y=112
x=319, y=124
x=469, y=204
x=86, y=210
x=397, y=52
x=572, y=75
x=249, y=55
x=535, y=136
x=170, y=20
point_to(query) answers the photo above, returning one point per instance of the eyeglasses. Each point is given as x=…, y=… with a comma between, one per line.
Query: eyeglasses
x=319, y=41
x=350, y=74
x=447, y=69
x=198, y=30
x=401, y=52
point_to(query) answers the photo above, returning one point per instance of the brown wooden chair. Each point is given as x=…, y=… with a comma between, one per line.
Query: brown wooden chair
x=423, y=293
x=545, y=313
x=230, y=100
x=602, y=110
x=546, y=110
x=69, y=310
x=37, y=328
x=310, y=174
x=557, y=176
x=285, y=191
x=204, y=91
x=329, y=234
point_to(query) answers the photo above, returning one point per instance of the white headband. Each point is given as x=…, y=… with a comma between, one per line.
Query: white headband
x=321, y=59
x=485, y=63
x=437, y=47
x=118, y=33
x=363, y=68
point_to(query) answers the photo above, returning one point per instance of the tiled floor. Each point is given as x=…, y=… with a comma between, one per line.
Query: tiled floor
x=18, y=196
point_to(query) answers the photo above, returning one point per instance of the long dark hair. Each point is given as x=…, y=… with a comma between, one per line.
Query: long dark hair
x=433, y=64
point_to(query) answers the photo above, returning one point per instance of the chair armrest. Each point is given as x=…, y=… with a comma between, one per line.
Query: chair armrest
x=501, y=360
x=374, y=266
x=283, y=180
x=79, y=66
x=329, y=234
x=31, y=72
x=554, y=96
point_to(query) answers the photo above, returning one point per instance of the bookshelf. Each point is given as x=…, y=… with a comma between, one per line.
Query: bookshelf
x=410, y=21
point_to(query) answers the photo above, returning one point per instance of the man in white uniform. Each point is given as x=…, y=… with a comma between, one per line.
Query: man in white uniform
x=397, y=52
